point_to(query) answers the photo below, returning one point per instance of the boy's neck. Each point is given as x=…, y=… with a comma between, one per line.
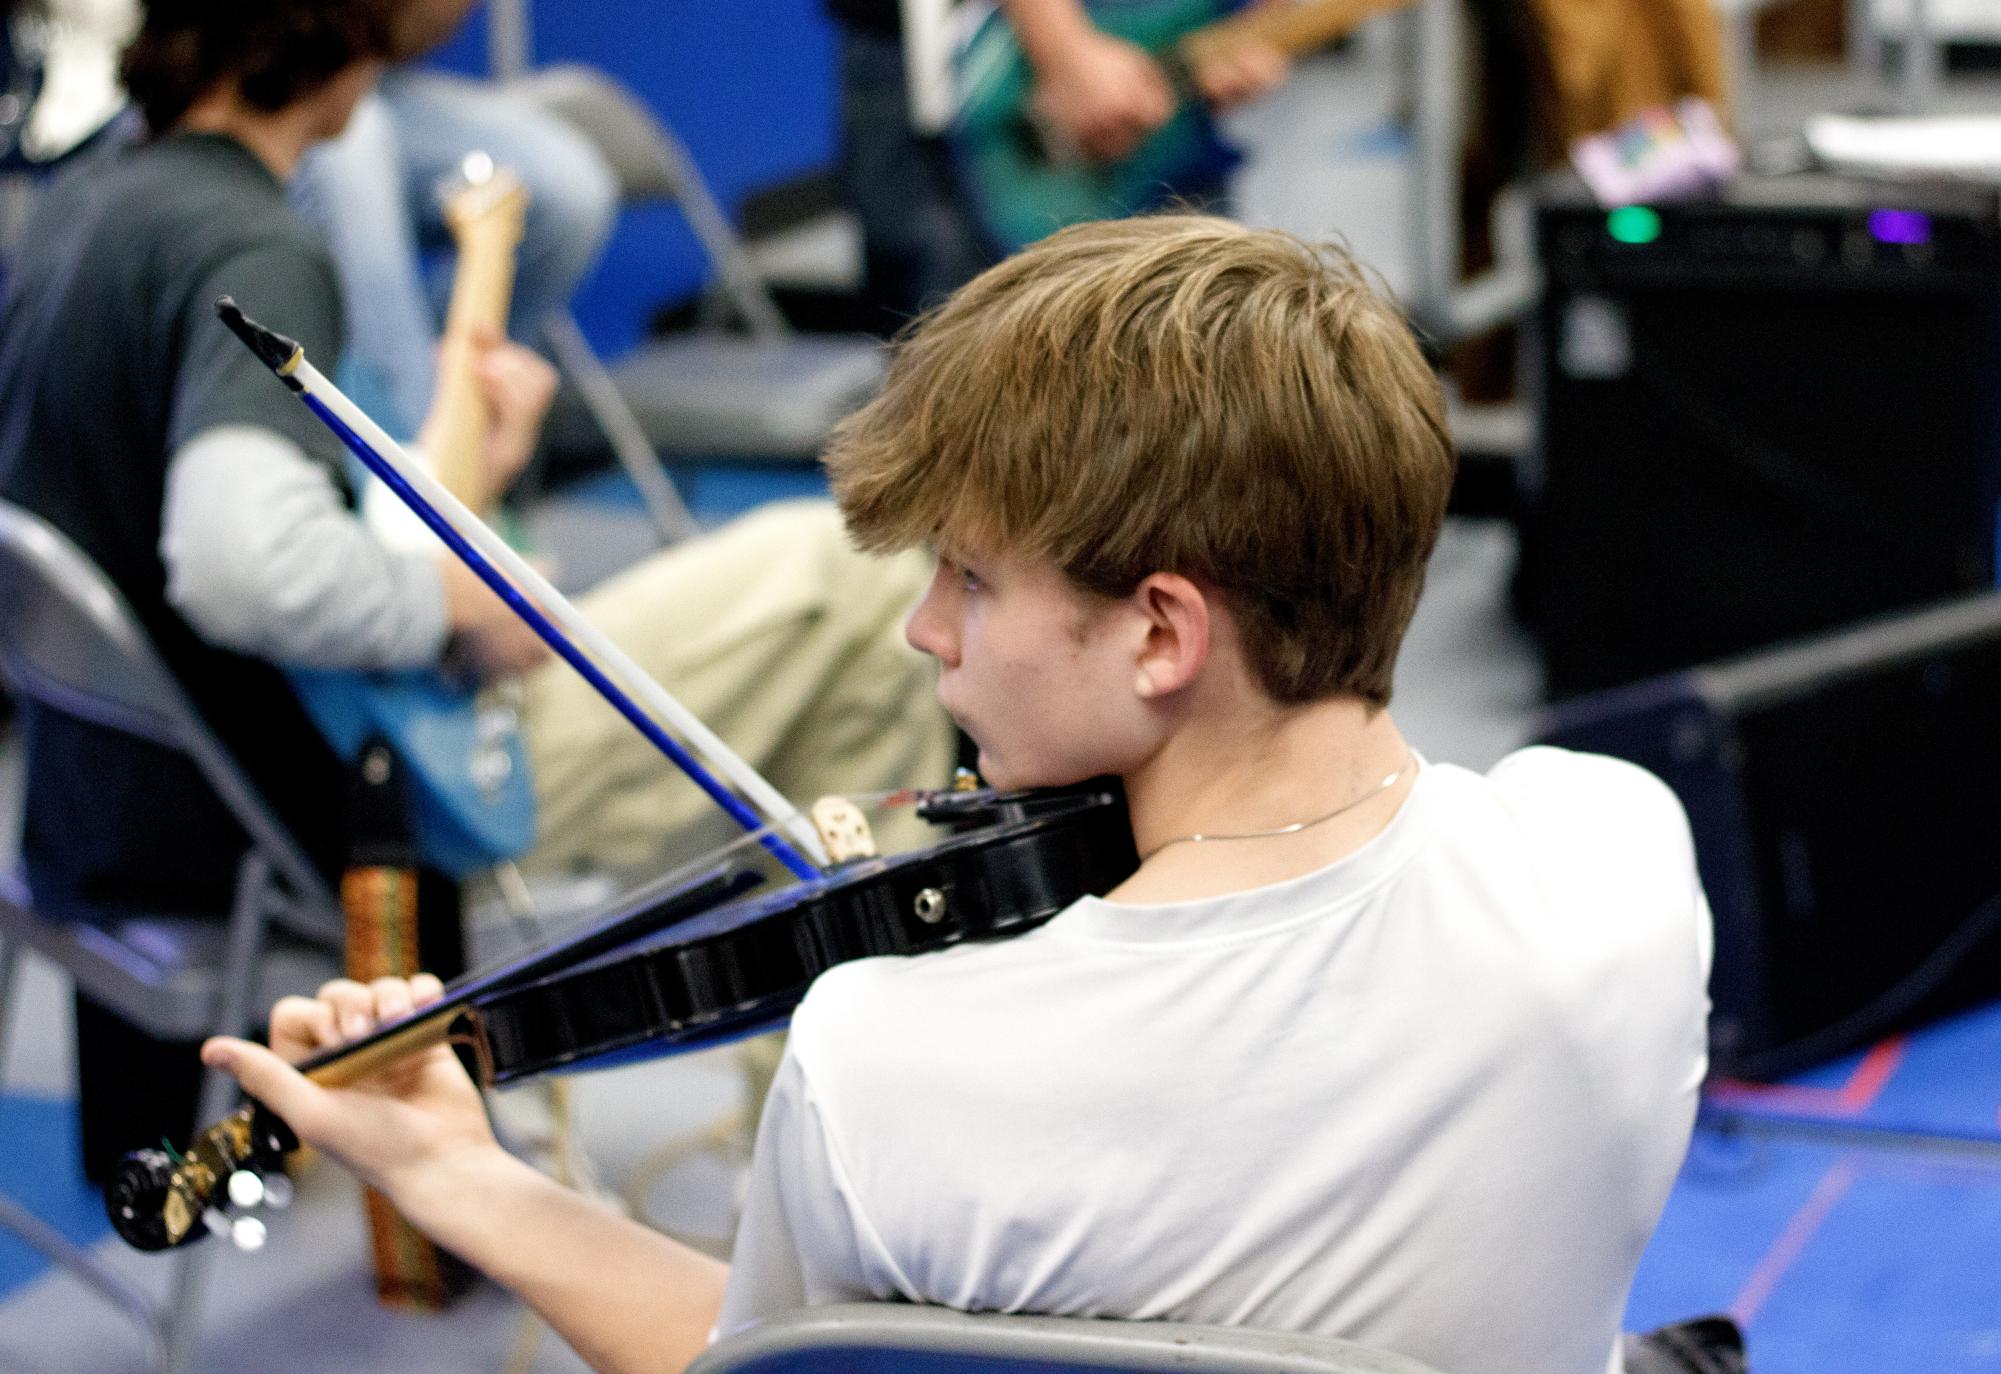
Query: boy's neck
x=278, y=138
x=275, y=140
x=1229, y=773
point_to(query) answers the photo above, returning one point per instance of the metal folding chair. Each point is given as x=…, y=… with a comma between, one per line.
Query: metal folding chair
x=765, y=393
x=70, y=643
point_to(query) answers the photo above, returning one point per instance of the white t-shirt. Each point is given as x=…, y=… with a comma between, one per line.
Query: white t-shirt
x=1430, y=1098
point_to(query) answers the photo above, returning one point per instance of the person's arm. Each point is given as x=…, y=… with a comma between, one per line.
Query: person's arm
x=627, y=1298
x=1231, y=73
x=264, y=558
x=1102, y=93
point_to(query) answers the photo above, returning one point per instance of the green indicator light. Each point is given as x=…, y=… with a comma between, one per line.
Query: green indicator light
x=1633, y=224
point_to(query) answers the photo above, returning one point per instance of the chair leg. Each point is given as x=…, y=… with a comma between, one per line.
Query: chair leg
x=65, y=1253
x=178, y=1323
x=52, y=1244
x=10, y=968
x=669, y=513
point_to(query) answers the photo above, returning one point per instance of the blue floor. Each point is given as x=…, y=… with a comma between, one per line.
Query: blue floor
x=1847, y=1258
x=38, y=1136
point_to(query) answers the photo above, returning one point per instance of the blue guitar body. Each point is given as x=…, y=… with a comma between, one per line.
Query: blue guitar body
x=472, y=797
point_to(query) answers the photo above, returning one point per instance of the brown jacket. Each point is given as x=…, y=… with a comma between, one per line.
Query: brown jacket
x=1599, y=62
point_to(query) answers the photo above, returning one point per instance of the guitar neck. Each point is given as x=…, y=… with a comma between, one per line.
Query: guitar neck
x=1291, y=28
x=482, y=287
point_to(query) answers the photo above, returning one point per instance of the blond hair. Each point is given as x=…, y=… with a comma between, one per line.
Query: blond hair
x=1174, y=393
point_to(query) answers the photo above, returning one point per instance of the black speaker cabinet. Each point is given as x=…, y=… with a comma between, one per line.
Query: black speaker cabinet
x=1760, y=416
x=1845, y=797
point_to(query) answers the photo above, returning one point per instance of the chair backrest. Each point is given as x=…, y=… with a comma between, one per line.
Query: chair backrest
x=69, y=640
x=878, y=1338
x=652, y=164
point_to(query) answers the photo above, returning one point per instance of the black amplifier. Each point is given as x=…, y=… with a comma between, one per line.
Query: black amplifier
x=1845, y=797
x=1761, y=415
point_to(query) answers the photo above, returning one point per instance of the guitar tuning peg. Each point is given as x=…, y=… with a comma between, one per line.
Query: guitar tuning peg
x=216, y=1221
x=248, y=1233
x=246, y=1189
x=277, y=1192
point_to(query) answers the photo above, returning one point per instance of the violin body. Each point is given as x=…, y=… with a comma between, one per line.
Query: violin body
x=743, y=967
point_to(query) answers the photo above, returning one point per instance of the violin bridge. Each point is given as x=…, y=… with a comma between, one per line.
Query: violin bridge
x=844, y=830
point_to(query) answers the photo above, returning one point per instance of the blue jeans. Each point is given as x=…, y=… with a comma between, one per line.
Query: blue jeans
x=372, y=193
x=918, y=243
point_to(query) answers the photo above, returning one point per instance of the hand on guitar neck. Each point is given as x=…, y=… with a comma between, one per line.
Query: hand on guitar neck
x=1240, y=69
x=492, y=396
x=512, y=387
x=515, y=386
x=1100, y=95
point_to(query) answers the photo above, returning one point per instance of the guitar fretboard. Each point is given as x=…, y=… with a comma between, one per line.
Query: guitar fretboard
x=1293, y=28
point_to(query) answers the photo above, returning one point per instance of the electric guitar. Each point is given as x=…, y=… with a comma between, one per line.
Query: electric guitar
x=1022, y=184
x=473, y=802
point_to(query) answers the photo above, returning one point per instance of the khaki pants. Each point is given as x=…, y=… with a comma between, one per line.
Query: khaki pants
x=787, y=643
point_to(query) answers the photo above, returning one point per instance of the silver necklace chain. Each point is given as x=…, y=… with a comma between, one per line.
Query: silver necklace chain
x=1385, y=785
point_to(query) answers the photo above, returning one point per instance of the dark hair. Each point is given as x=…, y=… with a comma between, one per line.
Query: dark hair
x=276, y=51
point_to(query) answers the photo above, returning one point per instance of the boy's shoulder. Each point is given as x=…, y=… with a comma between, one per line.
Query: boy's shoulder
x=901, y=1013
x=1541, y=781
x=1582, y=816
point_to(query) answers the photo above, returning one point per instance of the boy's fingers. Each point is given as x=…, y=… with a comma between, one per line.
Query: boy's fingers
x=353, y=1004
x=426, y=988
x=393, y=1001
x=265, y=1077
x=301, y=1026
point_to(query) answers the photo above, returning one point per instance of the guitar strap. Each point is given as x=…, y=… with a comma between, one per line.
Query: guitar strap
x=399, y=920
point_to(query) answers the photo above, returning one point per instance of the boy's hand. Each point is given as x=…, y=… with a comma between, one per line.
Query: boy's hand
x=519, y=385
x=485, y=629
x=1232, y=73
x=417, y=1118
x=1103, y=94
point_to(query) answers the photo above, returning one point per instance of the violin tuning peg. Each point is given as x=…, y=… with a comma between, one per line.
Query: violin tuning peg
x=248, y=1233
x=277, y=1192
x=246, y=1189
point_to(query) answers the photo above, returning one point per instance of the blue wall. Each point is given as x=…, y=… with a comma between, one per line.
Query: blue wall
x=749, y=85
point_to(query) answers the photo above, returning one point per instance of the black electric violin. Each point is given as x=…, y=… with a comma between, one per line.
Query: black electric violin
x=683, y=966
x=703, y=962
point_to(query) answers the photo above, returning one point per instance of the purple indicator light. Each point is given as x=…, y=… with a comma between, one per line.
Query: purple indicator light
x=1900, y=226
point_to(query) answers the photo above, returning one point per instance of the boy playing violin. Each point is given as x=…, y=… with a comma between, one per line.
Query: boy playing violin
x=1367, y=1046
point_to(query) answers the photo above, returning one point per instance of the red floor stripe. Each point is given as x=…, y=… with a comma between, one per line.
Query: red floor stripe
x=1852, y=1098
x=1808, y=1220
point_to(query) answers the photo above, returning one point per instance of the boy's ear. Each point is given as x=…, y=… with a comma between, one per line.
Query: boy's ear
x=1178, y=628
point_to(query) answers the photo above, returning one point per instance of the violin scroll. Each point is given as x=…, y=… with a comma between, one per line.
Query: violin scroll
x=160, y=1199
